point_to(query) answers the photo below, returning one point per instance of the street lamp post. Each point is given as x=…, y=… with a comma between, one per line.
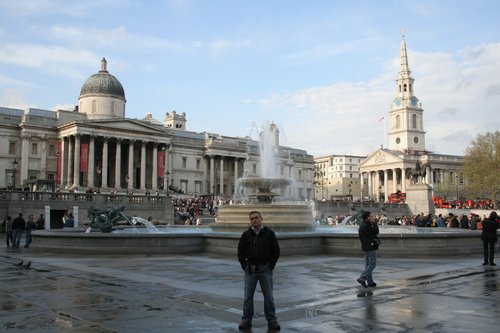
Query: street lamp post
x=14, y=167
x=350, y=189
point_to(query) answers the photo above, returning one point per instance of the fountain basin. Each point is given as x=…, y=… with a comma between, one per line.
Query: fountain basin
x=402, y=245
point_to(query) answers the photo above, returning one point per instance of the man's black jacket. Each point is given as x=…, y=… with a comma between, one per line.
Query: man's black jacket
x=258, y=249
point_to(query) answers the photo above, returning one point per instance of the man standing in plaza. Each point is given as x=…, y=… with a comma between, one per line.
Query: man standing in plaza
x=258, y=252
x=18, y=225
x=368, y=235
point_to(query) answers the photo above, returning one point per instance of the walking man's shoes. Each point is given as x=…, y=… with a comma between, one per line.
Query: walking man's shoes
x=362, y=282
x=245, y=324
x=372, y=285
x=275, y=326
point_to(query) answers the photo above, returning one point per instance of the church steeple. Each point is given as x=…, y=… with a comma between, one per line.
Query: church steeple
x=406, y=115
x=405, y=81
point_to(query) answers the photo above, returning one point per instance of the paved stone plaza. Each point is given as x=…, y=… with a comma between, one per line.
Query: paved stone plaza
x=203, y=293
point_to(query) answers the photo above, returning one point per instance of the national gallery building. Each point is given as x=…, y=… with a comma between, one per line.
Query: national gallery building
x=96, y=146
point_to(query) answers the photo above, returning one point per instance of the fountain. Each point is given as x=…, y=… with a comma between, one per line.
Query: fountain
x=264, y=192
x=269, y=193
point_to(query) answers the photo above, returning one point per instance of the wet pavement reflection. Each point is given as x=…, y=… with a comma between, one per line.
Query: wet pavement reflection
x=203, y=293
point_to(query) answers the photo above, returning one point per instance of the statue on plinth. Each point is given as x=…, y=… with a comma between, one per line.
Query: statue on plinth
x=417, y=175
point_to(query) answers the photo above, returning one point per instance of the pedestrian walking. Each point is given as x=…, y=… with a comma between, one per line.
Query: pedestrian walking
x=8, y=231
x=489, y=238
x=30, y=226
x=258, y=252
x=18, y=225
x=368, y=235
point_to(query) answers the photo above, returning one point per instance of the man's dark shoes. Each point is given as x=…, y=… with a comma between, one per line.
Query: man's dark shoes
x=362, y=282
x=493, y=264
x=372, y=285
x=274, y=325
x=485, y=264
x=245, y=324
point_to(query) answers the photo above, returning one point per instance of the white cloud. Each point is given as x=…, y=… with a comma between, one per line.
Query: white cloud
x=460, y=95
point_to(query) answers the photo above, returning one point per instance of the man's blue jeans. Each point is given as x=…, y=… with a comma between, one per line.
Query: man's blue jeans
x=370, y=264
x=265, y=280
x=16, y=235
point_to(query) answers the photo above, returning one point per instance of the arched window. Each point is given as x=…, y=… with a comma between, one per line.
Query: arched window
x=404, y=87
x=410, y=88
x=414, y=121
x=398, y=121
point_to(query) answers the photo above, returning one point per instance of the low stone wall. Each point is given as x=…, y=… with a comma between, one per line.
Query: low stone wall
x=426, y=244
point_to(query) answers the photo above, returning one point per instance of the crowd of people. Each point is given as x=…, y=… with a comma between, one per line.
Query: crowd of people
x=471, y=221
x=14, y=229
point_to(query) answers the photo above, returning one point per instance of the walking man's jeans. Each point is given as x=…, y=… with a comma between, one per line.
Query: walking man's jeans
x=370, y=264
x=16, y=234
x=29, y=238
x=265, y=279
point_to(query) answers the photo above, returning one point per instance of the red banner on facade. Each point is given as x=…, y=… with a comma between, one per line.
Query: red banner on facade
x=84, y=157
x=161, y=163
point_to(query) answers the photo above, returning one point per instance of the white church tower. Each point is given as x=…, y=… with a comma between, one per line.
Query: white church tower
x=406, y=131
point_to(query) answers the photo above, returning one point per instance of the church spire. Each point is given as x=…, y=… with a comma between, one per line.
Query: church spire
x=404, y=70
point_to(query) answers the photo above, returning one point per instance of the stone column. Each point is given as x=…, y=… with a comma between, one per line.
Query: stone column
x=63, y=164
x=91, y=161
x=25, y=158
x=205, y=175
x=43, y=158
x=403, y=179
x=386, y=185
x=71, y=152
x=167, y=169
x=394, y=180
x=118, y=163
x=143, y=165
x=235, y=172
x=104, y=165
x=221, y=185
x=154, y=180
x=130, y=173
x=212, y=175
x=76, y=165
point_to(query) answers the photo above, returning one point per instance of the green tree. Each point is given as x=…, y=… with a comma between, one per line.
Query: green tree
x=482, y=166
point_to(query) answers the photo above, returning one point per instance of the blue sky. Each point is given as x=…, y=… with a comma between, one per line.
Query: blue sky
x=324, y=71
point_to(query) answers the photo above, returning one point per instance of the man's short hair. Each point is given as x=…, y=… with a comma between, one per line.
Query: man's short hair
x=255, y=212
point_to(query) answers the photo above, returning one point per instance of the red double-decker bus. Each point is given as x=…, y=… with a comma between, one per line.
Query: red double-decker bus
x=398, y=197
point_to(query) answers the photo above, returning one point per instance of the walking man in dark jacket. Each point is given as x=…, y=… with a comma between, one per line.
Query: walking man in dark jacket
x=258, y=252
x=368, y=235
x=489, y=238
x=18, y=225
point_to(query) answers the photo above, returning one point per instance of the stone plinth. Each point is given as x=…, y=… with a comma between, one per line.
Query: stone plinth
x=419, y=199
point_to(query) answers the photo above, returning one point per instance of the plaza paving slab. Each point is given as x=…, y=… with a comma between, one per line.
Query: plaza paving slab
x=203, y=293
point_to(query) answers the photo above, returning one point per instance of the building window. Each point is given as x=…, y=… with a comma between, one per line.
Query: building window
x=32, y=174
x=51, y=176
x=254, y=168
x=34, y=149
x=184, y=162
x=52, y=150
x=414, y=121
x=12, y=148
x=198, y=164
x=398, y=121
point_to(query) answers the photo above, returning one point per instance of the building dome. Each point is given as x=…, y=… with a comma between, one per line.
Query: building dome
x=103, y=83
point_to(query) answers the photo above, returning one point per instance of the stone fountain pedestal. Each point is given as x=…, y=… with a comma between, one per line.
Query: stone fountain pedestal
x=281, y=217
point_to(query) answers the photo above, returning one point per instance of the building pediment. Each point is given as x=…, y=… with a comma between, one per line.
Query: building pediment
x=380, y=157
x=122, y=127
